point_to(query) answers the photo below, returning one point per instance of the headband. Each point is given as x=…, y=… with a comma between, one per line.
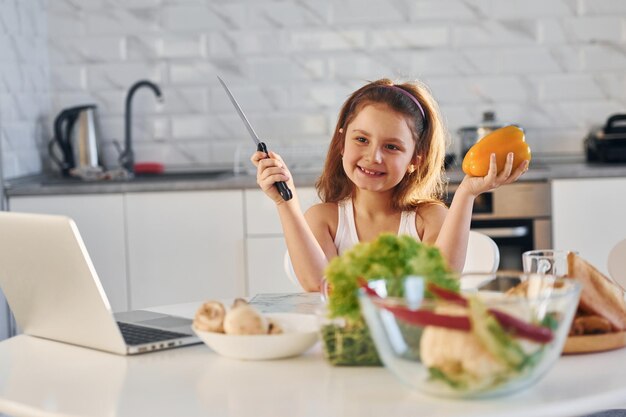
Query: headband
x=411, y=96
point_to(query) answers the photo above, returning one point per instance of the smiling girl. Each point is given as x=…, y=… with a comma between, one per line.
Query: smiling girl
x=384, y=172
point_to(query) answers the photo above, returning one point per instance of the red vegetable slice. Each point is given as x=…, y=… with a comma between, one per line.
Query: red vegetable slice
x=523, y=329
x=512, y=324
x=428, y=318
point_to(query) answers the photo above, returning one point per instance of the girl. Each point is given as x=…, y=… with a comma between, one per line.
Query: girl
x=383, y=173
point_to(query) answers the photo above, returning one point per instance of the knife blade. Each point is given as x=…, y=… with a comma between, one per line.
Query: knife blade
x=282, y=187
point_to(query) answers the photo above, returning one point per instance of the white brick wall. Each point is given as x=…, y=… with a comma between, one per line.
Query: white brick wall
x=556, y=67
x=24, y=87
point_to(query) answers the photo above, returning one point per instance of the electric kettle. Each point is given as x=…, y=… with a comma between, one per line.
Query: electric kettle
x=76, y=136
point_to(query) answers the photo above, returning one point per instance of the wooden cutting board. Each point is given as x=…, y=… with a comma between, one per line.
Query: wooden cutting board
x=594, y=343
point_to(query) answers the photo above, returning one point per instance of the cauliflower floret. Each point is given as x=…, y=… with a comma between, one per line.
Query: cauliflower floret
x=457, y=352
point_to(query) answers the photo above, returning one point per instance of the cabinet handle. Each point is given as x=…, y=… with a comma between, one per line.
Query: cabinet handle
x=504, y=232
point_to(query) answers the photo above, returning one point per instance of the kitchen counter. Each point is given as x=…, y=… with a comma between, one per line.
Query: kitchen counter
x=45, y=378
x=540, y=170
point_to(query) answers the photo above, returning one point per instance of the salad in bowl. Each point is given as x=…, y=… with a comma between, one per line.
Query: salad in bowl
x=487, y=341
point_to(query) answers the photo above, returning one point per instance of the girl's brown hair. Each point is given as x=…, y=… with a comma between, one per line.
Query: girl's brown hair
x=426, y=182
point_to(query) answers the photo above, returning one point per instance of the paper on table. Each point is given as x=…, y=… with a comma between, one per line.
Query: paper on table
x=304, y=303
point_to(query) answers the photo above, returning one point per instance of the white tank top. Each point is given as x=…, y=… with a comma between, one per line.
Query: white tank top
x=346, y=235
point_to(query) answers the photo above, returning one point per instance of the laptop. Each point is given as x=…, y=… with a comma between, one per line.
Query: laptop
x=54, y=291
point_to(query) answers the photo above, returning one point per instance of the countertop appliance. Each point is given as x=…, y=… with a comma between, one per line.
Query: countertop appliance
x=76, y=136
x=469, y=135
x=517, y=217
x=607, y=143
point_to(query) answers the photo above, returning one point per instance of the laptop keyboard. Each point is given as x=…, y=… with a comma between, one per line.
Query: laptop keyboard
x=138, y=335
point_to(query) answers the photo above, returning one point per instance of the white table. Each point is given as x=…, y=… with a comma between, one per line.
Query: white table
x=45, y=378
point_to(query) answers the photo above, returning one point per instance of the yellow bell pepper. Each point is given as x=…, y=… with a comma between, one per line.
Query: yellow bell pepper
x=501, y=142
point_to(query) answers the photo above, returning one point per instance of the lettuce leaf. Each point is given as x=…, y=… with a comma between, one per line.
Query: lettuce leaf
x=389, y=257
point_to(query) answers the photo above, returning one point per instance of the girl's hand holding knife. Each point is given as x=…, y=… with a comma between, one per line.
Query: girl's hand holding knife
x=271, y=171
x=281, y=186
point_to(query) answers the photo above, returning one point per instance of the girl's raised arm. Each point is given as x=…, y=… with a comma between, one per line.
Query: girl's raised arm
x=454, y=233
x=307, y=256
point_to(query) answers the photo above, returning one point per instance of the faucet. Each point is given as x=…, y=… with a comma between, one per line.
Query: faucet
x=127, y=157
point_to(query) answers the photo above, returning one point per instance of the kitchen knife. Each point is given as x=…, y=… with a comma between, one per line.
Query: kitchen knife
x=284, y=191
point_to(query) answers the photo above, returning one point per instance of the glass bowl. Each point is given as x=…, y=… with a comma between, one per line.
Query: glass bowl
x=494, y=338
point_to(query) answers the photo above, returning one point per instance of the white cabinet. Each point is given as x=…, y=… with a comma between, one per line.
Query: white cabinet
x=265, y=266
x=100, y=221
x=589, y=216
x=265, y=244
x=184, y=246
x=156, y=248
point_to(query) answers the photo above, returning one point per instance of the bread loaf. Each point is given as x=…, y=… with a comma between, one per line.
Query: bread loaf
x=599, y=294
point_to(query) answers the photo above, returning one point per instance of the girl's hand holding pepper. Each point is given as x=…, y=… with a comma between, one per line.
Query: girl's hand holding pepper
x=493, y=179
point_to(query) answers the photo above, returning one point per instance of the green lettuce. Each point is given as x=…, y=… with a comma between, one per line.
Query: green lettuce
x=389, y=257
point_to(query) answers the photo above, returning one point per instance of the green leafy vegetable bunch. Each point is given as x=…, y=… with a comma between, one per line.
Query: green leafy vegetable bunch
x=389, y=257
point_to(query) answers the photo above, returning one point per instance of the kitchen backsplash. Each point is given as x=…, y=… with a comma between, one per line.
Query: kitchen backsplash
x=556, y=67
x=24, y=85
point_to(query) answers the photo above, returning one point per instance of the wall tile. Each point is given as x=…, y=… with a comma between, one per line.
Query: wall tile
x=423, y=36
x=608, y=56
x=278, y=69
x=355, y=11
x=445, y=10
x=150, y=47
x=8, y=107
x=491, y=33
x=603, y=7
x=440, y=62
x=262, y=98
x=87, y=50
x=594, y=29
x=569, y=87
x=69, y=21
x=520, y=60
x=69, y=77
x=283, y=14
x=115, y=21
x=8, y=48
x=532, y=9
x=192, y=127
x=122, y=75
x=328, y=40
x=360, y=66
x=477, y=89
x=197, y=17
x=232, y=44
x=9, y=18
x=10, y=78
x=205, y=73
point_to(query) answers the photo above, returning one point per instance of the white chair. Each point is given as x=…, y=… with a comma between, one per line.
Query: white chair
x=617, y=263
x=291, y=274
x=482, y=256
x=482, y=260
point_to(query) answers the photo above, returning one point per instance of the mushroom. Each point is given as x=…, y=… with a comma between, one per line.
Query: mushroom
x=274, y=327
x=210, y=317
x=244, y=319
x=238, y=302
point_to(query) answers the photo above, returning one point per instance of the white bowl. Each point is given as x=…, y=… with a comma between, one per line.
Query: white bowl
x=300, y=332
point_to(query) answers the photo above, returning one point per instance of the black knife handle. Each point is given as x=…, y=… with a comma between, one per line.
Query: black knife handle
x=283, y=190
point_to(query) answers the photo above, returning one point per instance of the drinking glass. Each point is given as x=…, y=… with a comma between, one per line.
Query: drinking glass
x=546, y=261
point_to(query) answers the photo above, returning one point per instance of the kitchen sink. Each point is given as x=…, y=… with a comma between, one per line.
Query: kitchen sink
x=184, y=175
x=167, y=176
